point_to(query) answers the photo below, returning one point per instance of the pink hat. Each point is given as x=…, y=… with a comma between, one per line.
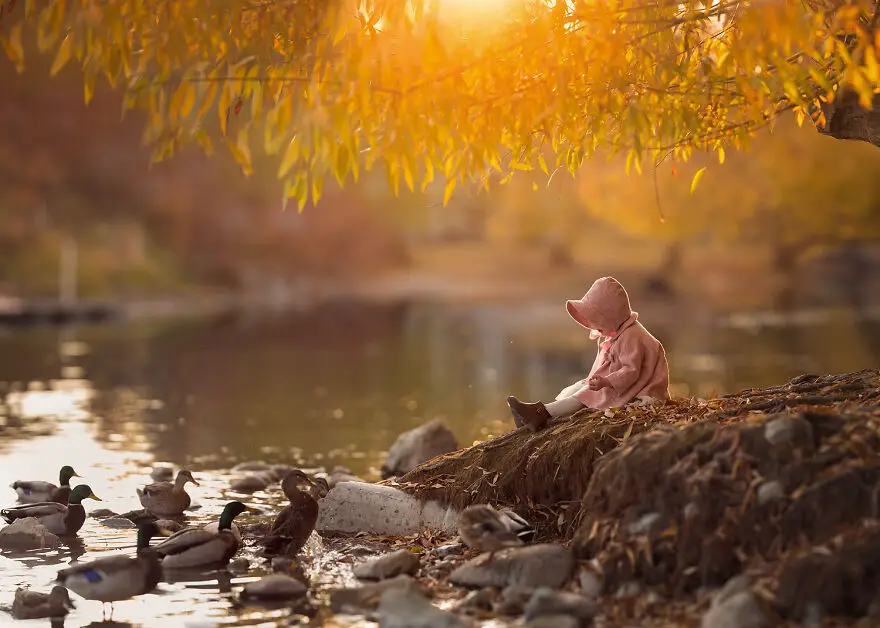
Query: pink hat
x=605, y=306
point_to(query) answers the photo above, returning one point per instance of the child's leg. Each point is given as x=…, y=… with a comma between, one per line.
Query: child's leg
x=564, y=407
x=568, y=391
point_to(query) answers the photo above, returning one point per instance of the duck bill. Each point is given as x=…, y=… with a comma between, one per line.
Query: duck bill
x=76, y=475
x=163, y=531
x=194, y=483
x=95, y=497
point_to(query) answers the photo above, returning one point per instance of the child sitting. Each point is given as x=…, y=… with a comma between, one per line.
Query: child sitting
x=631, y=362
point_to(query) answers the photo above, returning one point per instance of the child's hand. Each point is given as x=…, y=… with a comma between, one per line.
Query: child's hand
x=598, y=382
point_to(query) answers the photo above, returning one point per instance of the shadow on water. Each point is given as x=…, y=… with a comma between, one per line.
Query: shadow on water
x=331, y=386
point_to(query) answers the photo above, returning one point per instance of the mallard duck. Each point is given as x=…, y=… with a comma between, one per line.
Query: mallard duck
x=117, y=578
x=36, y=491
x=35, y=605
x=58, y=518
x=486, y=530
x=198, y=547
x=294, y=524
x=165, y=499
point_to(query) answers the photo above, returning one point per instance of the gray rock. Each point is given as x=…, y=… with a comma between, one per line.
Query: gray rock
x=162, y=473
x=251, y=465
x=513, y=600
x=532, y=566
x=479, y=600
x=789, y=431
x=590, y=583
x=102, y=513
x=736, y=606
x=418, y=445
x=405, y=608
x=25, y=534
x=451, y=549
x=546, y=601
x=249, y=484
x=645, y=524
x=401, y=562
x=138, y=516
x=278, y=471
x=769, y=492
x=341, y=474
x=239, y=565
x=355, y=600
x=119, y=523
x=553, y=621
x=274, y=587
x=628, y=589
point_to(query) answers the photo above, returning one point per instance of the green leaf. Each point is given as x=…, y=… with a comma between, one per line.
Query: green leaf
x=696, y=180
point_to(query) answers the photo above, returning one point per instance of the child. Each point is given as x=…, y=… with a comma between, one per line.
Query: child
x=631, y=362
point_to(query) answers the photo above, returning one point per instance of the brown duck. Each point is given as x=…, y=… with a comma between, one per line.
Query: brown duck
x=294, y=524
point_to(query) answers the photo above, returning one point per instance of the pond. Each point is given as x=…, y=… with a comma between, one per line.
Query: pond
x=332, y=386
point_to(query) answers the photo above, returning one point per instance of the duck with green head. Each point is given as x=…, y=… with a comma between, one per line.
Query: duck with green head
x=36, y=491
x=200, y=547
x=117, y=578
x=58, y=518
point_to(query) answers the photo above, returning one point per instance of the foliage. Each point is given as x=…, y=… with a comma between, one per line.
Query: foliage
x=431, y=89
x=795, y=191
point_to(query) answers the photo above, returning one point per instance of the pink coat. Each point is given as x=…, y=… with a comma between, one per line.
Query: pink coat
x=632, y=360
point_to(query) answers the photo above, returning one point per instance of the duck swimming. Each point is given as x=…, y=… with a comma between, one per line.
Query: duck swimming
x=294, y=524
x=484, y=529
x=117, y=578
x=164, y=499
x=36, y=491
x=198, y=547
x=58, y=518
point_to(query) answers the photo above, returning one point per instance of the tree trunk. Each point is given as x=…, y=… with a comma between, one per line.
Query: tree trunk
x=845, y=119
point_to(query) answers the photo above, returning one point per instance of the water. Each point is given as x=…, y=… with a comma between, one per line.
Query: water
x=330, y=387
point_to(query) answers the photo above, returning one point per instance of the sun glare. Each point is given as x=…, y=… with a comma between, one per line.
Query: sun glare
x=475, y=9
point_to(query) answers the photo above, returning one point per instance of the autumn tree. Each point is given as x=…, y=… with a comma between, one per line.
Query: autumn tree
x=454, y=91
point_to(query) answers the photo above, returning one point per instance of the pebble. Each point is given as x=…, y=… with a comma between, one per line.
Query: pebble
x=367, y=597
x=406, y=608
x=769, y=492
x=239, y=565
x=628, y=589
x=251, y=465
x=479, y=600
x=451, y=549
x=789, y=430
x=590, y=584
x=546, y=601
x=25, y=534
x=394, y=564
x=736, y=606
x=119, y=523
x=513, y=600
x=274, y=587
x=532, y=566
x=249, y=484
x=102, y=513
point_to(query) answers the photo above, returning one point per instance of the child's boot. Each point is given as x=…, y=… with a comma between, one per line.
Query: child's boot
x=531, y=415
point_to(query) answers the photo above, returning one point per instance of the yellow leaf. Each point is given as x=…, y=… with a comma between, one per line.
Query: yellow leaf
x=720, y=154
x=291, y=154
x=407, y=173
x=429, y=174
x=207, y=100
x=447, y=191
x=697, y=176
x=242, y=152
x=223, y=107
x=182, y=101
x=13, y=48
x=317, y=188
x=88, y=86
x=341, y=164
x=63, y=55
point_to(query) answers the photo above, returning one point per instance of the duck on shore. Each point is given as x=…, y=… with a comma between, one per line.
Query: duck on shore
x=36, y=605
x=164, y=499
x=58, y=518
x=199, y=547
x=117, y=578
x=37, y=491
x=294, y=524
x=485, y=529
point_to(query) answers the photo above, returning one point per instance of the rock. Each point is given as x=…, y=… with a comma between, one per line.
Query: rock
x=239, y=565
x=553, y=621
x=736, y=606
x=274, y=587
x=789, y=431
x=25, y=534
x=645, y=524
x=513, y=600
x=480, y=600
x=119, y=523
x=251, y=465
x=546, y=601
x=383, y=510
x=170, y=525
x=590, y=584
x=138, y=516
x=531, y=566
x=288, y=566
x=354, y=600
x=630, y=588
x=451, y=549
x=162, y=473
x=416, y=446
x=249, y=484
x=341, y=474
x=102, y=513
x=769, y=492
x=406, y=608
x=401, y=562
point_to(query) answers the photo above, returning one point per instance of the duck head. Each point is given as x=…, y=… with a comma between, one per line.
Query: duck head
x=296, y=482
x=185, y=476
x=81, y=492
x=230, y=512
x=66, y=473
